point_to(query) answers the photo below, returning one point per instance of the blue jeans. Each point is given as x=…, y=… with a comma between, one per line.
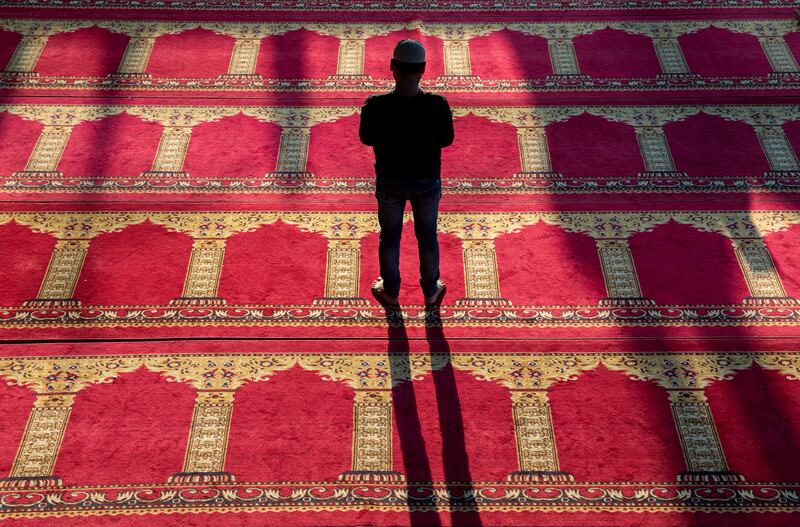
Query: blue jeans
x=424, y=196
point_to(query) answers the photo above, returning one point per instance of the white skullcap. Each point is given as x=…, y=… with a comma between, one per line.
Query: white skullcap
x=410, y=51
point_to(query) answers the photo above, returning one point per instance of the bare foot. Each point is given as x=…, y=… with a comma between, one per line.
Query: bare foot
x=380, y=294
x=436, y=299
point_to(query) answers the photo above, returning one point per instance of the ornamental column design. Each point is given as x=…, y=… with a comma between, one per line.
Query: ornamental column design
x=56, y=382
x=73, y=232
x=455, y=45
x=619, y=273
x=372, y=377
x=531, y=123
x=537, y=456
x=767, y=122
x=372, y=437
x=534, y=153
x=350, y=64
x=648, y=124
x=477, y=233
x=62, y=274
x=779, y=55
x=481, y=281
x=178, y=122
x=344, y=232
x=611, y=232
x=202, y=275
x=137, y=54
x=670, y=56
x=770, y=34
x=779, y=152
x=142, y=35
x=655, y=153
x=47, y=152
x=244, y=58
x=247, y=44
x=560, y=44
x=352, y=45
x=702, y=450
x=342, y=271
x=684, y=376
x=208, y=439
x=528, y=378
x=563, y=59
x=216, y=380
x=759, y=271
x=457, y=63
x=293, y=152
x=171, y=153
x=209, y=230
x=36, y=457
x=58, y=122
x=296, y=123
x=665, y=37
x=25, y=57
x=746, y=230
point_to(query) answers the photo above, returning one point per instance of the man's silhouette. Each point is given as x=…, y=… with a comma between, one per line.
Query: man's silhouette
x=407, y=128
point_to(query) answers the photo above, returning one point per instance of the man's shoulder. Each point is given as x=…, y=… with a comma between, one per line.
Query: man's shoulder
x=387, y=98
x=436, y=98
x=378, y=98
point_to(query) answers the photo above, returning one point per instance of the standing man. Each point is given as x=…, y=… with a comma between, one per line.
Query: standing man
x=407, y=129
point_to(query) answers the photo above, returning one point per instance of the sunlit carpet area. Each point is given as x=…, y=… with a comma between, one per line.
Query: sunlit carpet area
x=189, y=234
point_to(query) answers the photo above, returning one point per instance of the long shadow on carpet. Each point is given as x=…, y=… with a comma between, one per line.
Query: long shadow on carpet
x=421, y=504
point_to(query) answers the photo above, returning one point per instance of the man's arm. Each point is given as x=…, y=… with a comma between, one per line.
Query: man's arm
x=447, y=134
x=366, y=128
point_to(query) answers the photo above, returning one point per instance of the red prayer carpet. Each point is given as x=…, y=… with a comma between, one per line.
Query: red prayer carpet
x=188, y=235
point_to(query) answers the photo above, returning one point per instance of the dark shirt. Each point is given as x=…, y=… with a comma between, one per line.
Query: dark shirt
x=407, y=134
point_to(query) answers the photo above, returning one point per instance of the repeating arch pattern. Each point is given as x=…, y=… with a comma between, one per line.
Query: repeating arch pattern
x=236, y=258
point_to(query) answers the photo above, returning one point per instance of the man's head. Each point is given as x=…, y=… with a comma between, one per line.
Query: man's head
x=408, y=60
